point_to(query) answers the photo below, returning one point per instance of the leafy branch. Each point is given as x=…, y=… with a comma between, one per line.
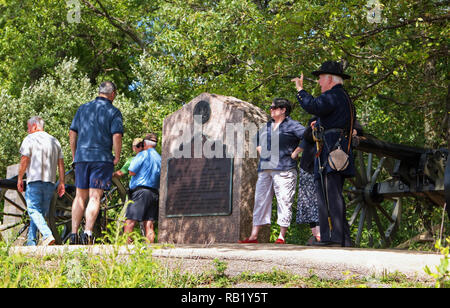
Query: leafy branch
x=116, y=22
x=443, y=18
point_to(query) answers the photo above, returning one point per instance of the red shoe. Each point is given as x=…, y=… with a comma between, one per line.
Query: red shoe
x=247, y=241
x=280, y=241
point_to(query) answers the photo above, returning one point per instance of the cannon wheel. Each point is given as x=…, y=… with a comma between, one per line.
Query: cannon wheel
x=372, y=214
x=111, y=209
x=15, y=220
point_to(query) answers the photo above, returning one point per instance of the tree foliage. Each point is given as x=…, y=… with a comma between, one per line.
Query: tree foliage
x=56, y=98
x=250, y=50
x=35, y=36
x=164, y=53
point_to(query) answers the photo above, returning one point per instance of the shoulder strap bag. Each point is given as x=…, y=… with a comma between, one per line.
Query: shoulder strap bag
x=338, y=159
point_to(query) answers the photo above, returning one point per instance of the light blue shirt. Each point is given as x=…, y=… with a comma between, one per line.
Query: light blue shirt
x=147, y=166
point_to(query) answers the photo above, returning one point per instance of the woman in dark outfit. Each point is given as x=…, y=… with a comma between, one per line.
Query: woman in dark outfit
x=307, y=200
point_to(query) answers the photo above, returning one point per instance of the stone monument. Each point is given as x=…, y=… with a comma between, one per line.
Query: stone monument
x=209, y=171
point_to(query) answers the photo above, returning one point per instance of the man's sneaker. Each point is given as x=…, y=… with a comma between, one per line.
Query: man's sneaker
x=87, y=239
x=74, y=239
x=49, y=241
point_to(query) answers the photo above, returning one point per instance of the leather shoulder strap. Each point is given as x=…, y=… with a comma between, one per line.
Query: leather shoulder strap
x=352, y=119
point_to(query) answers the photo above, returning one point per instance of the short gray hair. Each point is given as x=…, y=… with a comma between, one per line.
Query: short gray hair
x=336, y=79
x=36, y=120
x=107, y=87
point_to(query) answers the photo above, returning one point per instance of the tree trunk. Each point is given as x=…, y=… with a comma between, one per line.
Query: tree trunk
x=447, y=116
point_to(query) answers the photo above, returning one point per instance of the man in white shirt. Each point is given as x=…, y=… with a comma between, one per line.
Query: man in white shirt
x=41, y=153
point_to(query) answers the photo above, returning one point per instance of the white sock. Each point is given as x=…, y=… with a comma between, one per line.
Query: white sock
x=88, y=233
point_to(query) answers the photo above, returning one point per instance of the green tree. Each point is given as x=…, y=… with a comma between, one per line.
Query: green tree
x=37, y=35
x=56, y=98
x=250, y=49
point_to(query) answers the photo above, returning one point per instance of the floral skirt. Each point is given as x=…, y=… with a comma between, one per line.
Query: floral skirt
x=307, y=202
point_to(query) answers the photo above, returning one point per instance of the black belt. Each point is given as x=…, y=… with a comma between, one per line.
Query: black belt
x=333, y=130
x=144, y=187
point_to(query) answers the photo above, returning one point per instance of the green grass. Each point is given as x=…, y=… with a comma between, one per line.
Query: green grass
x=140, y=270
x=80, y=270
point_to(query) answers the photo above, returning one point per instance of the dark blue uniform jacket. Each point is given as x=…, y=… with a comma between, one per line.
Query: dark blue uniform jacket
x=333, y=111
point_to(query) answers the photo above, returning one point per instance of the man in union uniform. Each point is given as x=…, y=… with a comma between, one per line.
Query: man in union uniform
x=335, y=113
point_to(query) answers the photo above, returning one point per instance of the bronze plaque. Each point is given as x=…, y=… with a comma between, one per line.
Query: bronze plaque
x=199, y=187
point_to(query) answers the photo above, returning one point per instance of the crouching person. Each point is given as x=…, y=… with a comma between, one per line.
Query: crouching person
x=145, y=170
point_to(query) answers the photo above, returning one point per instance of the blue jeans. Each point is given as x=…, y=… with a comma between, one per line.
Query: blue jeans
x=38, y=196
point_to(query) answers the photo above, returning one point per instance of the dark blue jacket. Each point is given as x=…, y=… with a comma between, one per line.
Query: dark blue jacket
x=333, y=111
x=278, y=145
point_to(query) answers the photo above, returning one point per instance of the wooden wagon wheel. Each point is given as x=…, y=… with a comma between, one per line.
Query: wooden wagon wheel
x=14, y=217
x=371, y=212
x=60, y=216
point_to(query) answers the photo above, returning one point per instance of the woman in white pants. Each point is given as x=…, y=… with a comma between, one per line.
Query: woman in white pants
x=277, y=171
